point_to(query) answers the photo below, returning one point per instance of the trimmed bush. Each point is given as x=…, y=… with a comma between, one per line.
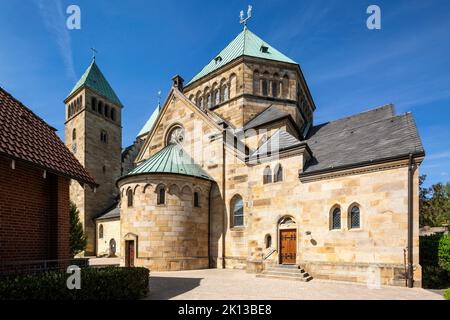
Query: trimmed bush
x=435, y=277
x=444, y=252
x=96, y=284
x=429, y=250
x=447, y=294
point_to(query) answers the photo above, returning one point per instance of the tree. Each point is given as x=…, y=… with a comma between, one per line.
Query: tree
x=434, y=204
x=77, y=238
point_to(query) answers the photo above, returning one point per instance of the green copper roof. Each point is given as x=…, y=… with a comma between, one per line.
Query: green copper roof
x=171, y=159
x=93, y=79
x=150, y=122
x=245, y=44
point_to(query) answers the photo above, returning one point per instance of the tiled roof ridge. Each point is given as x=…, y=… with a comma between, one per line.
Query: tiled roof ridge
x=27, y=109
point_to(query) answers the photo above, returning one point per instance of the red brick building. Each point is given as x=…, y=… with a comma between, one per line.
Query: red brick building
x=36, y=170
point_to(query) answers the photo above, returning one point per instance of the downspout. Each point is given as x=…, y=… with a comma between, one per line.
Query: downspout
x=209, y=225
x=410, y=275
x=225, y=218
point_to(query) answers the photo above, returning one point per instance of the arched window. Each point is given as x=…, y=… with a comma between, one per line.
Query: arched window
x=267, y=178
x=93, y=104
x=208, y=101
x=196, y=199
x=74, y=134
x=100, y=107
x=354, y=217
x=256, y=81
x=237, y=211
x=268, y=241
x=107, y=110
x=103, y=136
x=200, y=103
x=217, y=97
x=113, y=114
x=264, y=88
x=285, y=86
x=100, y=231
x=336, y=219
x=161, y=195
x=275, y=88
x=278, y=175
x=130, y=198
x=225, y=93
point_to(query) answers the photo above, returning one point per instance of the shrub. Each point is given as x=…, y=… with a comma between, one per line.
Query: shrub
x=444, y=252
x=447, y=294
x=429, y=250
x=435, y=277
x=96, y=284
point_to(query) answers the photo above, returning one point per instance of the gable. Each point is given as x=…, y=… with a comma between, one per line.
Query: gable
x=178, y=110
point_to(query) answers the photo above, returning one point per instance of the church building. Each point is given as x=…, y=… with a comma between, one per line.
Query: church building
x=232, y=171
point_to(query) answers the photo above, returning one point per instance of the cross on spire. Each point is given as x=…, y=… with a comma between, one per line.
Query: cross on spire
x=249, y=15
x=93, y=53
x=159, y=99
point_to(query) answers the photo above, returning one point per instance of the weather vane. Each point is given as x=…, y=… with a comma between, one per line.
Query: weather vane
x=93, y=53
x=249, y=15
x=159, y=99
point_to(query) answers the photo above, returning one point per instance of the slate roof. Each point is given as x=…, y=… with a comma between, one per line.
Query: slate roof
x=24, y=136
x=150, y=123
x=282, y=139
x=364, y=138
x=94, y=79
x=272, y=113
x=173, y=160
x=112, y=213
x=245, y=44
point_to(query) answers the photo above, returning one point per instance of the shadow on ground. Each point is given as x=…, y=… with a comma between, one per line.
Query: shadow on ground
x=164, y=288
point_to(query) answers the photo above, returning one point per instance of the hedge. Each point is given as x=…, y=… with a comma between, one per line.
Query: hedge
x=447, y=294
x=444, y=252
x=96, y=284
x=435, y=261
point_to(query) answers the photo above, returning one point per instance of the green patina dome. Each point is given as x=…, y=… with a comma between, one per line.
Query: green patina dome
x=172, y=160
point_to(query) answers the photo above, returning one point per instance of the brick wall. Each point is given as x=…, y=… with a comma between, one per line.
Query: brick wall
x=34, y=214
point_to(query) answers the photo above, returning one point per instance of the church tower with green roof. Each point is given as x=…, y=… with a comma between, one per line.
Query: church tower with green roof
x=93, y=131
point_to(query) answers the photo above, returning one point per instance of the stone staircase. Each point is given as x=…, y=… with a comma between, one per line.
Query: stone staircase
x=286, y=272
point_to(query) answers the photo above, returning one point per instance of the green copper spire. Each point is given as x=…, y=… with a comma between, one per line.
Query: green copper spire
x=94, y=79
x=245, y=44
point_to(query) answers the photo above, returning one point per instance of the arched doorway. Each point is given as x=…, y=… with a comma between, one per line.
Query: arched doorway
x=112, y=248
x=287, y=234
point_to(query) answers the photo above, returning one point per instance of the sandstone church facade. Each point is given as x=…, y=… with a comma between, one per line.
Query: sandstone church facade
x=232, y=172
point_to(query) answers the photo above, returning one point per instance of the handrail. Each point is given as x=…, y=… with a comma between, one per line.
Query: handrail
x=269, y=254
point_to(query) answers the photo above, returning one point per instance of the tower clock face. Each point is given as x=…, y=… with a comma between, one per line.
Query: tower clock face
x=176, y=135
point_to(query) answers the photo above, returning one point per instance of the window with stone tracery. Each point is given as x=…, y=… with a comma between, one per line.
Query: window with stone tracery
x=176, y=135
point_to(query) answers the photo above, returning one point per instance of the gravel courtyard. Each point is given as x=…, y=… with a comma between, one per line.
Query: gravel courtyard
x=217, y=284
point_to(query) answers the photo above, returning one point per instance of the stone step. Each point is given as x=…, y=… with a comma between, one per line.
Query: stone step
x=289, y=270
x=287, y=274
x=284, y=277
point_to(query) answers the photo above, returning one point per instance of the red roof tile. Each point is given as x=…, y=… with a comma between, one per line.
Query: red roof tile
x=25, y=136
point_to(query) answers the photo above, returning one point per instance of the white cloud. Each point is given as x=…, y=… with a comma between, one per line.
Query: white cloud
x=52, y=13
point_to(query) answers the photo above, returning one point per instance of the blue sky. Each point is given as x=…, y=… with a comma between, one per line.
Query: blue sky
x=142, y=44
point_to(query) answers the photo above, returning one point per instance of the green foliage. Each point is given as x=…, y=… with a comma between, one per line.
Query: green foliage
x=429, y=250
x=444, y=252
x=433, y=257
x=447, y=294
x=435, y=277
x=96, y=284
x=434, y=203
x=77, y=239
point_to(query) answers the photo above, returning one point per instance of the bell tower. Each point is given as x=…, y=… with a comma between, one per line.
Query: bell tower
x=93, y=132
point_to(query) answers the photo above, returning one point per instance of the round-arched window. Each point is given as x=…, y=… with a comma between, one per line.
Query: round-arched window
x=175, y=135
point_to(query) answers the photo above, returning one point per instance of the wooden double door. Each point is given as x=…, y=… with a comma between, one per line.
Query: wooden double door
x=288, y=246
